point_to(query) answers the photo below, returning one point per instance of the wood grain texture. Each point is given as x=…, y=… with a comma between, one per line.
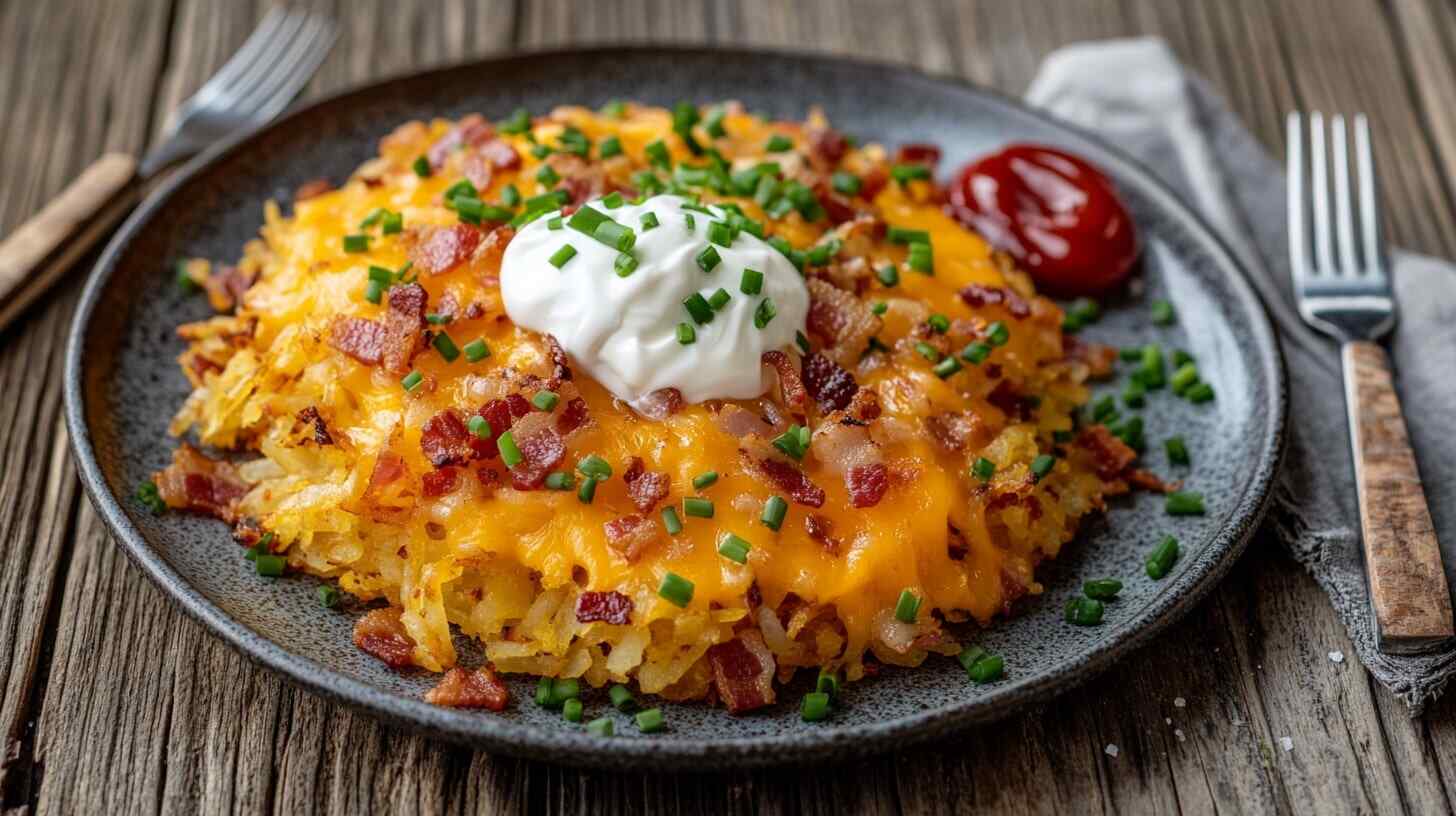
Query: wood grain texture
x=1402, y=557
x=114, y=701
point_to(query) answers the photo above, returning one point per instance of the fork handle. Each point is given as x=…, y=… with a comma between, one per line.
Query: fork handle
x=1408, y=587
x=39, y=252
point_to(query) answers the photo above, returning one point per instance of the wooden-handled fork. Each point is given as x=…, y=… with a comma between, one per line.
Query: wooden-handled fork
x=266, y=73
x=1344, y=290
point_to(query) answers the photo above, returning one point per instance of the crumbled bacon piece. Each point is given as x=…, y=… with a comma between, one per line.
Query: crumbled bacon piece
x=645, y=487
x=1150, y=481
x=786, y=477
x=1010, y=401
x=226, y=286
x=310, y=416
x=821, y=529
x=865, y=406
x=470, y=130
x=1099, y=358
x=1012, y=590
x=953, y=430
x=977, y=295
x=743, y=671
x=500, y=154
x=873, y=182
x=560, y=363
x=842, y=321
x=445, y=440
x=955, y=544
x=630, y=535
x=518, y=404
x=497, y=412
x=829, y=383
x=572, y=416
x=312, y=189
x=470, y=688
x=918, y=153
x=542, y=449
x=195, y=481
x=827, y=144
x=609, y=607
x=867, y=484
x=381, y=633
x=404, y=327
x=359, y=337
x=1111, y=455
x=837, y=208
x=436, y=250
x=437, y=483
x=795, y=398
x=477, y=170
x=661, y=404
x=738, y=422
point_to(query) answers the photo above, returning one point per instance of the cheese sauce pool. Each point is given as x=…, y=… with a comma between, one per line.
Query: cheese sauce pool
x=626, y=331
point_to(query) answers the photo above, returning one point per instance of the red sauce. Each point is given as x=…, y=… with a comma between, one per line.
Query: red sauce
x=1057, y=215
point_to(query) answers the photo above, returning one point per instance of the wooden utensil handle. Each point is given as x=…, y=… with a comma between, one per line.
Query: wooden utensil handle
x=36, y=255
x=1408, y=587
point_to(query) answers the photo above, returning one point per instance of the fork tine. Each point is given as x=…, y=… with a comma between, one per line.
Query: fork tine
x=1349, y=261
x=292, y=70
x=1371, y=238
x=260, y=69
x=246, y=56
x=1294, y=182
x=1319, y=169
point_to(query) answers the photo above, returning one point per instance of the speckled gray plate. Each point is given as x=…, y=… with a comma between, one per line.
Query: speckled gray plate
x=122, y=386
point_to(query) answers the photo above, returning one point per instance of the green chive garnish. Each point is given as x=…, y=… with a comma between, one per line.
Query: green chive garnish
x=846, y=183
x=625, y=264
x=621, y=698
x=510, y=454
x=328, y=597
x=774, y=511
x=269, y=566
x=412, y=380
x=1184, y=378
x=939, y=323
x=543, y=692
x=997, y=334
x=907, y=607
x=1184, y=503
x=1042, y=465
x=765, y=313
x=547, y=175
x=1163, y=313
x=921, y=259
x=976, y=352
x=676, y=590
x=698, y=507
x=686, y=334
x=927, y=351
x=571, y=711
x=560, y=481
x=779, y=143
x=615, y=109
x=708, y=259
x=588, y=490
x=545, y=400
x=649, y=721
x=905, y=173
x=563, y=689
x=714, y=123
x=946, y=367
x=422, y=167
x=720, y=234
x=1161, y=559
x=801, y=341
x=734, y=549
x=372, y=218
x=356, y=243
x=981, y=666
x=612, y=200
x=705, y=479
x=658, y=156
x=698, y=308
x=1200, y=393
x=1181, y=358
x=649, y=221
x=446, y=347
x=609, y=147
x=983, y=469
x=1133, y=394
x=562, y=255
x=1177, y=450
x=1084, y=611
x=901, y=235
x=600, y=727
x=476, y=350
x=150, y=497
x=510, y=196
x=374, y=292
x=794, y=442
x=815, y=707
x=1102, y=589
x=888, y=275
x=480, y=427
x=671, y=521
x=719, y=299
x=595, y=467
x=827, y=683
x=751, y=283
x=518, y=123
x=392, y=223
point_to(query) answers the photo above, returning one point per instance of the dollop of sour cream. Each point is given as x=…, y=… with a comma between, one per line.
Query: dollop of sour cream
x=623, y=331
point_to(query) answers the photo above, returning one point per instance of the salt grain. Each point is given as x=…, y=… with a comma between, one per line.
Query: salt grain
x=1337, y=656
x=1179, y=702
x=1168, y=720
x=1287, y=743
x=1178, y=732
x=1110, y=750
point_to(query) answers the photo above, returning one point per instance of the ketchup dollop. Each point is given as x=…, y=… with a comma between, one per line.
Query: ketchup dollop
x=1057, y=215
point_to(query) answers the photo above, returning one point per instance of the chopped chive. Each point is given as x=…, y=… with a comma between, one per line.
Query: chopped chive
x=543, y=692
x=720, y=234
x=510, y=454
x=392, y=223
x=982, y=667
x=562, y=255
x=545, y=400
x=901, y=235
x=997, y=334
x=1152, y=370
x=446, y=347
x=560, y=480
x=705, y=479
x=1081, y=312
x=547, y=175
x=880, y=307
x=615, y=109
x=698, y=309
x=614, y=235
x=510, y=196
x=612, y=200
x=698, y=507
x=905, y=173
x=553, y=200
x=888, y=275
x=764, y=313
x=801, y=341
x=621, y=698
x=947, y=367
x=734, y=549
x=600, y=727
x=719, y=299
x=794, y=442
x=518, y=123
x=815, y=707
x=1133, y=394
x=778, y=143
x=1202, y=392
x=412, y=380
x=1102, y=589
x=150, y=497
x=708, y=258
x=594, y=466
x=374, y=292
x=1184, y=503
x=1130, y=355
x=983, y=469
x=823, y=253
x=1181, y=358
x=269, y=566
x=676, y=590
x=939, y=322
x=461, y=189
x=1104, y=409
x=476, y=350
x=671, y=521
x=571, y=710
x=356, y=243
x=846, y=183
x=774, y=511
x=480, y=427
x=422, y=167
x=686, y=334
x=657, y=155
x=625, y=264
x=976, y=352
x=563, y=689
x=827, y=683
x=927, y=351
x=713, y=124
x=1084, y=611
x=751, y=283
x=541, y=151
x=907, y=607
x=649, y=721
x=588, y=490
x=921, y=259
x=1177, y=450
x=1161, y=559
x=1162, y=312
x=609, y=147
x=328, y=597
x=1184, y=378
x=1042, y=465
x=372, y=218
x=649, y=221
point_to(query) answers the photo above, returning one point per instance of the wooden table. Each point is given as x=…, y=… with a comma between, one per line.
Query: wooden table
x=114, y=701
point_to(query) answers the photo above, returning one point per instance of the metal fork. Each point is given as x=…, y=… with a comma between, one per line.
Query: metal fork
x=255, y=85
x=1342, y=283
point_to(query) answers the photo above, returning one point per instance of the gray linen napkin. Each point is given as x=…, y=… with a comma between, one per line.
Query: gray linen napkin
x=1135, y=93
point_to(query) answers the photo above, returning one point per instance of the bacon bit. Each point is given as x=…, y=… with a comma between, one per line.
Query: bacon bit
x=518, y=404
x=977, y=295
x=918, y=153
x=956, y=547
x=954, y=430
x=470, y=688
x=609, y=607
x=738, y=422
x=312, y=189
x=500, y=154
x=542, y=449
x=1099, y=358
x=646, y=488
x=785, y=477
x=226, y=286
x=359, y=337
x=560, y=364
x=388, y=468
x=404, y=327
x=439, y=482
x=1147, y=480
x=449, y=305
x=381, y=634
x=661, y=404
x=873, y=182
x=842, y=321
x=838, y=208
x=1012, y=590
x=743, y=671
x=1111, y=455
x=436, y=250
x=1010, y=401
x=498, y=413
x=310, y=416
x=867, y=484
x=445, y=440
x=629, y=536
x=478, y=170
x=821, y=529
x=488, y=477
x=195, y=481
x=827, y=144
x=470, y=130
x=573, y=416
x=865, y=406
x=795, y=398
x=829, y=383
